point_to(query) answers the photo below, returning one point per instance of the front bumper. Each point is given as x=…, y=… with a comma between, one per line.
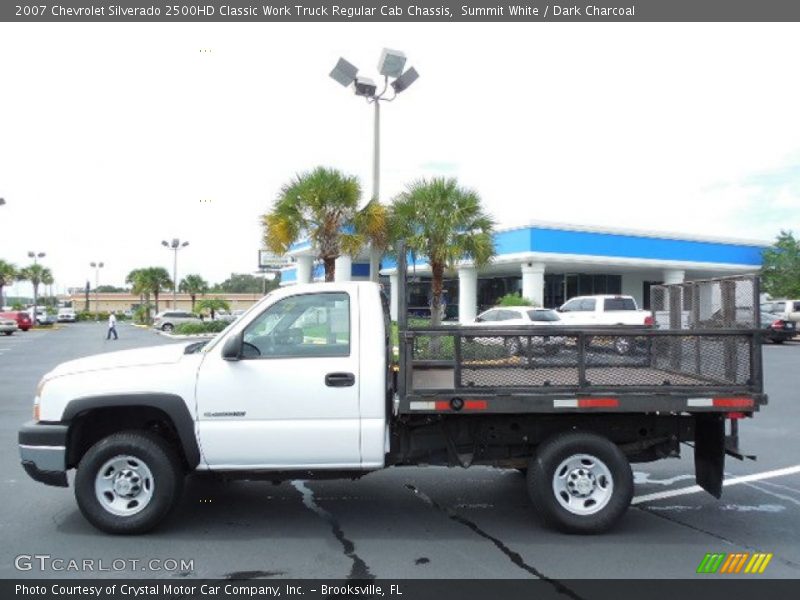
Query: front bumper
x=43, y=452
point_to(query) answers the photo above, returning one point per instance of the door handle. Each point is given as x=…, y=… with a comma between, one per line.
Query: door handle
x=340, y=379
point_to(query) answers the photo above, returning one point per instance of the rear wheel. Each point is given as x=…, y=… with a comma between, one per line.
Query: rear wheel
x=128, y=482
x=8, y=332
x=580, y=482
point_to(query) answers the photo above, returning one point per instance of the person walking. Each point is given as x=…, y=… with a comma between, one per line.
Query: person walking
x=112, y=326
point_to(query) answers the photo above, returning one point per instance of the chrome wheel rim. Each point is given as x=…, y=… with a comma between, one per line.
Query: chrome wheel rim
x=124, y=485
x=582, y=484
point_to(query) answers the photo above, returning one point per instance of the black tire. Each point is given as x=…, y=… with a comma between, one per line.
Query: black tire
x=167, y=477
x=8, y=332
x=167, y=327
x=777, y=341
x=556, y=451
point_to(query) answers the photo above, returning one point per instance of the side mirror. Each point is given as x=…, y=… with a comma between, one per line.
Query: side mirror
x=232, y=349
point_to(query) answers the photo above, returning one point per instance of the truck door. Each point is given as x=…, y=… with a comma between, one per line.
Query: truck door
x=292, y=400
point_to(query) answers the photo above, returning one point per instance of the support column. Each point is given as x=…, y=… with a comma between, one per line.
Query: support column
x=467, y=294
x=533, y=282
x=344, y=268
x=304, y=269
x=394, y=295
x=674, y=276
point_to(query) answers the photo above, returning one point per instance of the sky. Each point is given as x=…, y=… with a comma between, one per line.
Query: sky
x=114, y=137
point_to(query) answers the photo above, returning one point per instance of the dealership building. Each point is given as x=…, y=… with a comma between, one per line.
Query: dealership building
x=550, y=263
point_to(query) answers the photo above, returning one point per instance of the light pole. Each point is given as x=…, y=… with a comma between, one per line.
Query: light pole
x=96, y=266
x=390, y=65
x=35, y=256
x=175, y=245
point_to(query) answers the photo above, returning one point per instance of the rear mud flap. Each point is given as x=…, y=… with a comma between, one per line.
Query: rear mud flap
x=709, y=453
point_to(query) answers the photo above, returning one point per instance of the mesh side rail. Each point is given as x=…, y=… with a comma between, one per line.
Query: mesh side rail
x=586, y=358
x=725, y=303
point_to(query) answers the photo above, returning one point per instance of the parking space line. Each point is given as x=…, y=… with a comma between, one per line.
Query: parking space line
x=694, y=489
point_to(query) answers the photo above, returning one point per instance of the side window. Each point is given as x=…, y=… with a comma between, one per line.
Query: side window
x=571, y=306
x=587, y=304
x=507, y=315
x=308, y=325
x=488, y=317
x=796, y=307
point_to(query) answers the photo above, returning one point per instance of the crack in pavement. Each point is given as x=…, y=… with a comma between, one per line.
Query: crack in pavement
x=513, y=556
x=359, y=570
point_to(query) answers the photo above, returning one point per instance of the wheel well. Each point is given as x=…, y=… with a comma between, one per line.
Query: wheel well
x=91, y=426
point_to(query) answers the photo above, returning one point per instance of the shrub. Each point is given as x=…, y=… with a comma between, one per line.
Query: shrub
x=204, y=327
x=515, y=300
x=87, y=315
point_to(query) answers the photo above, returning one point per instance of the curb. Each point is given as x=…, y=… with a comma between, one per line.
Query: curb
x=190, y=336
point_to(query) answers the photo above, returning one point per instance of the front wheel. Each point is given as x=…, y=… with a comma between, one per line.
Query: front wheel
x=167, y=327
x=580, y=483
x=128, y=482
x=8, y=332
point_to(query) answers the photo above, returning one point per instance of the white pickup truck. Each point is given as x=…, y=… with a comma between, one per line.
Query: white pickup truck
x=303, y=385
x=603, y=310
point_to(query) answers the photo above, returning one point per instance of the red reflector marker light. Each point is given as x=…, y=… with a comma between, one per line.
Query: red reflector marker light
x=475, y=404
x=733, y=402
x=598, y=402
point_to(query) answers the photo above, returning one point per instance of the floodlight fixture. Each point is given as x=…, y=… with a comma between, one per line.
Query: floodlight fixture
x=344, y=72
x=405, y=80
x=165, y=243
x=391, y=63
x=2, y=201
x=364, y=86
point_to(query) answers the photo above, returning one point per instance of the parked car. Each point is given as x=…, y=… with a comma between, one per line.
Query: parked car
x=167, y=320
x=788, y=310
x=43, y=317
x=67, y=315
x=22, y=318
x=229, y=317
x=519, y=316
x=776, y=328
x=8, y=325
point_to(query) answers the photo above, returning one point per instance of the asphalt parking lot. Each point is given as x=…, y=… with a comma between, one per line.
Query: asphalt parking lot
x=408, y=522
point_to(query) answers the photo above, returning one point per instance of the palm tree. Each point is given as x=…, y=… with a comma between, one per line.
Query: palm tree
x=33, y=273
x=193, y=285
x=47, y=281
x=320, y=205
x=149, y=280
x=136, y=280
x=156, y=279
x=212, y=305
x=8, y=274
x=446, y=224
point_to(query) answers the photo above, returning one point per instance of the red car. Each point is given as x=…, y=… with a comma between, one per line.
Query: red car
x=23, y=319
